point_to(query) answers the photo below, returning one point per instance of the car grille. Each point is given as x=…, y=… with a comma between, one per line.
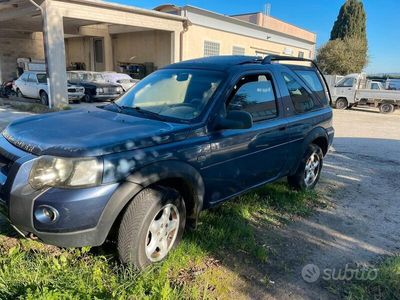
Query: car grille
x=110, y=90
x=76, y=90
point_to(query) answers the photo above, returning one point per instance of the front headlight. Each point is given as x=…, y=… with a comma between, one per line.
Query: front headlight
x=120, y=90
x=99, y=91
x=50, y=171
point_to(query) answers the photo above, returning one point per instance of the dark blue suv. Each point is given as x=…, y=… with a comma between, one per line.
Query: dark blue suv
x=184, y=139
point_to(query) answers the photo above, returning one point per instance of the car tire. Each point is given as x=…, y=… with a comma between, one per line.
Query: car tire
x=309, y=170
x=88, y=98
x=386, y=108
x=341, y=103
x=44, y=98
x=19, y=94
x=145, y=235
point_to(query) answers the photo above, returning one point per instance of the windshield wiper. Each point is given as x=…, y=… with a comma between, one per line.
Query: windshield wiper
x=119, y=108
x=144, y=112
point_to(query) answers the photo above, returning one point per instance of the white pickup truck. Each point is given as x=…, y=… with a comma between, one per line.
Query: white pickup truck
x=32, y=84
x=355, y=89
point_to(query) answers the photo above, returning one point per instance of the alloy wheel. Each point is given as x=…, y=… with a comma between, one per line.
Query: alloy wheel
x=162, y=233
x=312, y=169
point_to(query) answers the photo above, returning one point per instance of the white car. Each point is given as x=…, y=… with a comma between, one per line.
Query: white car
x=33, y=84
x=124, y=80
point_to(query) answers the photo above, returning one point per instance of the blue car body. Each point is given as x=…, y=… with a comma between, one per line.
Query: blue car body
x=209, y=166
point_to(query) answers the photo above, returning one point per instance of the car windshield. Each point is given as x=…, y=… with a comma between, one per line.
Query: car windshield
x=41, y=78
x=178, y=94
x=92, y=77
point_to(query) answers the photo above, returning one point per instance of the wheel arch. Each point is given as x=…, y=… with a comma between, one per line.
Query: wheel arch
x=317, y=136
x=178, y=175
x=43, y=91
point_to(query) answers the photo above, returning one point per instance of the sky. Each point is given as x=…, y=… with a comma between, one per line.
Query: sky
x=317, y=16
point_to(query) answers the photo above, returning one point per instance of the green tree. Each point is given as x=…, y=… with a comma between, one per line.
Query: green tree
x=351, y=21
x=347, y=50
x=342, y=57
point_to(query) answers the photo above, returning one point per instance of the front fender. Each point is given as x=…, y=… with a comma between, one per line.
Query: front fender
x=163, y=170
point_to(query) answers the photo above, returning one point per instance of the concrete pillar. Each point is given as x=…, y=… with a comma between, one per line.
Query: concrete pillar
x=108, y=53
x=175, y=46
x=53, y=31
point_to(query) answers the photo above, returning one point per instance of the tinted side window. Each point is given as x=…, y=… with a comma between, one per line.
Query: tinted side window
x=314, y=83
x=302, y=100
x=255, y=94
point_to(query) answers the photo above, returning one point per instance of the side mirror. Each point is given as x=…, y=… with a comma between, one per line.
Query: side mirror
x=236, y=120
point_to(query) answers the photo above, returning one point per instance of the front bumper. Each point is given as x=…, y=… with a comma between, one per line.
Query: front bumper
x=75, y=96
x=85, y=216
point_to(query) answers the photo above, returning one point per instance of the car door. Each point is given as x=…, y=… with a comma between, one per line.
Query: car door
x=22, y=83
x=346, y=88
x=244, y=158
x=31, y=86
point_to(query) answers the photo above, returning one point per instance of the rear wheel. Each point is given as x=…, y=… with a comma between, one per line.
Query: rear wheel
x=386, y=108
x=44, y=98
x=152, y=225
x=342, y=103
x=309, y=170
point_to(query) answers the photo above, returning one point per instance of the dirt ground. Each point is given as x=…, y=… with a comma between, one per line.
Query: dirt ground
x=361, y=182
x=360, y=224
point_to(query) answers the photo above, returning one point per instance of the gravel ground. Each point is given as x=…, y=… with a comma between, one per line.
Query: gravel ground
x=361, y=181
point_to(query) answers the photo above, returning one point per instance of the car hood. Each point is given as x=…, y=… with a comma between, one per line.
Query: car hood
x=90, y=133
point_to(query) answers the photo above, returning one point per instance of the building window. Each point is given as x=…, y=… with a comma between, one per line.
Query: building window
x=301, y=54
x=238, y=50
x=211, y=48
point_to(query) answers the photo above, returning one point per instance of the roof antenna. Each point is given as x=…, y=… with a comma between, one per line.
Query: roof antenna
x=267, y=9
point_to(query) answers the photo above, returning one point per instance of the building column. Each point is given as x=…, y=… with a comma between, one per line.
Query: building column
x=53, y=33
x=175, y=46
x=108, y=53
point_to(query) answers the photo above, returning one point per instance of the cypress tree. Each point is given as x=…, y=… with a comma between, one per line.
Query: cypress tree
x=351, y=21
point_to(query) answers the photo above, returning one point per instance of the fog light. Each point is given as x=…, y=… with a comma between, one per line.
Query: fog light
x=46, y=214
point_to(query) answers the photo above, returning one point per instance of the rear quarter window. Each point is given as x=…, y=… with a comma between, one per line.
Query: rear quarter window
x=302, y=100
x=313, y=81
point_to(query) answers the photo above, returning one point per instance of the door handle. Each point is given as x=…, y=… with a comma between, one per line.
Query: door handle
x=282, y=128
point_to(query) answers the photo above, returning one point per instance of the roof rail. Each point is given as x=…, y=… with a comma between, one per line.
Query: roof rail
x=270, y=58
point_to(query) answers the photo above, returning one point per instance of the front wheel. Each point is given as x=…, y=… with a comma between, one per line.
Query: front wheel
x=88, y=98
x=342, y=103
x=19, y=94
x=152, y=225
x=309, y=170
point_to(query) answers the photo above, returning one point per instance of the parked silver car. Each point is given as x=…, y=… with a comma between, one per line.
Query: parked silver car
x=33, y=84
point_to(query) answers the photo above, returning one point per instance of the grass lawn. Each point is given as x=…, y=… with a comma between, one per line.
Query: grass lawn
x=31, y=270
x=385, y=286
